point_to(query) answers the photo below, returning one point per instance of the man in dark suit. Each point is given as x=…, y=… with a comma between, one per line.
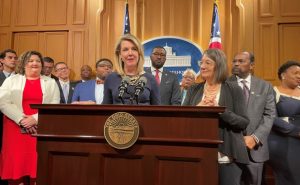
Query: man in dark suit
x=91, y=91
x=66, y=87
x=260, y=111
x=170, y=93
x=9, y=59
x=48, y=67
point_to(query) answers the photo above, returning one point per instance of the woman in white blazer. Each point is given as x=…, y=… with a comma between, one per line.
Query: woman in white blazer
x=18, y=158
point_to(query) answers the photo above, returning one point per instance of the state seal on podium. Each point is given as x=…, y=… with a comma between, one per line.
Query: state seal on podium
x=121, y=130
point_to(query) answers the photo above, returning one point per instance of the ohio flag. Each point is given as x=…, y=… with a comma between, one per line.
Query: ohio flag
x=126, y=20
x=215, y=36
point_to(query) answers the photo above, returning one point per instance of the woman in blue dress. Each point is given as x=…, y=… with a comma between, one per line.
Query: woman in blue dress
x=284, y=140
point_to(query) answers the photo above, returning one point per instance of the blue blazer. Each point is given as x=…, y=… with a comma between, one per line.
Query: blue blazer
x=85, y=91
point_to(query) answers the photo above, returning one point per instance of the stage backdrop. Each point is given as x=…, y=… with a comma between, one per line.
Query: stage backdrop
x=181, y=53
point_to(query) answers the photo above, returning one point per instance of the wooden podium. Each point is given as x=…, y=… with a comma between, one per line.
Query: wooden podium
x=176, y=145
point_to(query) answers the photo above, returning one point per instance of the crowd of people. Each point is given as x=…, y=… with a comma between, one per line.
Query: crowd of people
x=261, y=123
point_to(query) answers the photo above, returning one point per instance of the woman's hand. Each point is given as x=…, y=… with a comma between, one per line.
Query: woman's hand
x=84, y=102
x=31, y=130
x=28, y=122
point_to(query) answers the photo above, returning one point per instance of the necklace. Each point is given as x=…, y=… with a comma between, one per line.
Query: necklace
x=210, y=95
x=133, y=79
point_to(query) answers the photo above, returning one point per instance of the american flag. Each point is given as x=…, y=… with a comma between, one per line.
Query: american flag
x=126, y=20
x=215, y=36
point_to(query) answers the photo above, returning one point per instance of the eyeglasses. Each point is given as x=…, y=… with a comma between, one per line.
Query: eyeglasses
x=159, y=54
x=62, y=69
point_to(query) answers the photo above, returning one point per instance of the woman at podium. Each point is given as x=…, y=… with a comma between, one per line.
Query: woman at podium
x=18, y=158
x=129, y=84
x=216, y=91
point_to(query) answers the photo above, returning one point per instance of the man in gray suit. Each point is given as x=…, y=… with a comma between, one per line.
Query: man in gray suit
x=66, y=87
x=170, y=93
x=260, y=111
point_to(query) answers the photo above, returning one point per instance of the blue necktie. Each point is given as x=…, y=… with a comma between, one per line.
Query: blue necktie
x=65, y=92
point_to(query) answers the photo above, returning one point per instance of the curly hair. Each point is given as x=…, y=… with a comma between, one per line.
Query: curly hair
x=24, y=58
x=285, y=66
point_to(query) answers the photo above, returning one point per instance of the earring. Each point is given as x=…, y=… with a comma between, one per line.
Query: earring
x=283, y=78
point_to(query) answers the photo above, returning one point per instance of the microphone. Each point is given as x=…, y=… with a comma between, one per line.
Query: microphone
x=123, y=87
x=139, y=88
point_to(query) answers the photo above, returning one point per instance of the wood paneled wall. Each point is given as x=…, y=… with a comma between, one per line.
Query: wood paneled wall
x=81, y=31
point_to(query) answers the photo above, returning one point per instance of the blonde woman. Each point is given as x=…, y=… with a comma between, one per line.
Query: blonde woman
x=129, y=64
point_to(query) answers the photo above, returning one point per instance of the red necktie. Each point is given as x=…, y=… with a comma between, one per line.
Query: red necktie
x=157, y=76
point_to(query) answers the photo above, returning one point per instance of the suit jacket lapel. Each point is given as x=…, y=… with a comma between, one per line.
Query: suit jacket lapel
x=93, y=88
x=222, y=96
x=253, y=90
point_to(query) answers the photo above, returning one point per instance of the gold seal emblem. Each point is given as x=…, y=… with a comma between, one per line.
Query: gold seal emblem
x=121, y=130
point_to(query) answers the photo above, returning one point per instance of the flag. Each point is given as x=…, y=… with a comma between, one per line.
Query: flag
x=215, y=36
x=126, y=20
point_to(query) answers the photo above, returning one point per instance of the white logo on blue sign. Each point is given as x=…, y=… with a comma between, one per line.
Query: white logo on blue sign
x=181, y=53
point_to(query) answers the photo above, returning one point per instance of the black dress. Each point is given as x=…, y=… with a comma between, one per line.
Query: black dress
x=284, y=140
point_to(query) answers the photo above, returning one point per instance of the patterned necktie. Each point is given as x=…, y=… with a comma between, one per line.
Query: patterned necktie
x=157, y=76
x=66, y=92
x=246, y=90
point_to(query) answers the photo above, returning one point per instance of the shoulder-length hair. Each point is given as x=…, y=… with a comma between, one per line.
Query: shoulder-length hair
x=119, y=67
x=221, y=72
x=24, y=59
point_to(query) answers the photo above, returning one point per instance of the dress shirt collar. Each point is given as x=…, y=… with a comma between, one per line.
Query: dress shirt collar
x=62, y=82
x=7, y=74
x=153, y=70
x=248, y=81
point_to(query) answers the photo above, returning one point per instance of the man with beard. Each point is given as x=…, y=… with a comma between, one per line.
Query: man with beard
x=260, y=111
x=170, y=93
x=91, y=92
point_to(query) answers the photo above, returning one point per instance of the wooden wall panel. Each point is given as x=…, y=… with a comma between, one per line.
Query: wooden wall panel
x=266, y=8
x=4, y=41
x=55, y=12
x=77, y=53
x=289, y=8
x=5, y=7
x=289, y=42
x=26, y=41
x=26, y=12
x=55, y=45
x=79, y=12
x=154, y=17
x=267, y=52
x=185, y=20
